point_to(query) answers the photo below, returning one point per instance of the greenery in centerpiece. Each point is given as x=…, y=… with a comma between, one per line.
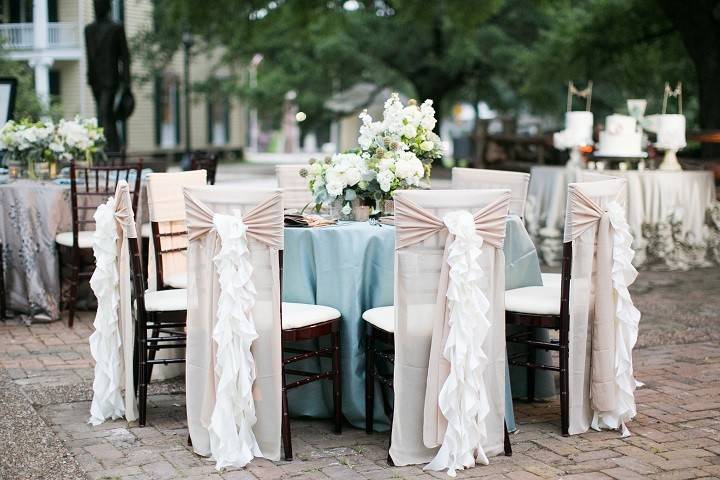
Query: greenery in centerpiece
x=29, y=143
x=395, y=153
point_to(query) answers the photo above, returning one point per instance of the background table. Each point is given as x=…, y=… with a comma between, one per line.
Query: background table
x=31, y=214
x=351, y=267
x=673, y=216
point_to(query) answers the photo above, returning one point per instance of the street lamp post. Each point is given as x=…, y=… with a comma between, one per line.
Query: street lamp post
x=188, y=42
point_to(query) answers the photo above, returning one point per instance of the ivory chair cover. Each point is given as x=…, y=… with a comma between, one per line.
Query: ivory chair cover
x=234, y=297
x=167, y=207
x=295, y=188
x=517, y=182
x=590, y=176
x=437, y=284
x=111, y=345
x=603, y=320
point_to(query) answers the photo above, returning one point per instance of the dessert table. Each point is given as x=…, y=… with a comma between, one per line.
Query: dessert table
x=673, y=215
x=350, y=267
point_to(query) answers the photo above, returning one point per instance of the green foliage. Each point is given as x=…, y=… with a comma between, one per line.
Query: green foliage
x=515, y=54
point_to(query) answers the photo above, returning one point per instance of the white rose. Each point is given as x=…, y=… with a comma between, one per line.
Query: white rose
x=385, y=179
x=352, y=176
x=346, y=209
x=427, y=146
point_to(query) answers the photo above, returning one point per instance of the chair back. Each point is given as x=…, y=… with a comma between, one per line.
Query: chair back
x=205, y=161
x=295, y=191
x=516, y=182
x=587, y=291
x=91, y=186
x=590, y=176
x=166, y=204
x=262, y=215
x=419, y=316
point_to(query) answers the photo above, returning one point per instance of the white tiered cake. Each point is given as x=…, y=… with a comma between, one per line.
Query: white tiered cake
x=621, y=138
x=578, y=131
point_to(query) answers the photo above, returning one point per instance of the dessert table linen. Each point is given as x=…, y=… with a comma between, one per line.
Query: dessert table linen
x=673, y=216
x=350, y=267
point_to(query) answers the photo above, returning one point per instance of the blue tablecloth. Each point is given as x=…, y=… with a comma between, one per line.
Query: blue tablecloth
x=351, y=267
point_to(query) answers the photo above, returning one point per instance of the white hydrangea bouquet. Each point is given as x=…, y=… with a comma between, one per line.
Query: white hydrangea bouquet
x=28, y=144
x=340, y=177
x=400, y=149
x=395, y=154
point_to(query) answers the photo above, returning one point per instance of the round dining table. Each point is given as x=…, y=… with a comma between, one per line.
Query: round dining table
x=350, y=266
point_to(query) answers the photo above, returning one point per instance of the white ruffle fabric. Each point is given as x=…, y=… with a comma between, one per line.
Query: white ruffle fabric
x=232, y=441
x=627, y=321
x=105, y=341
x=463, y=399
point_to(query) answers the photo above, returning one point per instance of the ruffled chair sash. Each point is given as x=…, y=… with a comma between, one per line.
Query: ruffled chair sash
x=616, y=320
x=111, y=343
x=456, y=400
x=232, y=441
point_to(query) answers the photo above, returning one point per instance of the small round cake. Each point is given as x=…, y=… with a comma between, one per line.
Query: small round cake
x=671, y=131
x=578, y=131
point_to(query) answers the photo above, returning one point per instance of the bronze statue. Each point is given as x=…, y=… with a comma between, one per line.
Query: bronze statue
x=108, y=72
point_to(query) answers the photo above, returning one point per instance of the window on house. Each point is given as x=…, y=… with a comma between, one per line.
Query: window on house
x=218, y=121
x=167, y=111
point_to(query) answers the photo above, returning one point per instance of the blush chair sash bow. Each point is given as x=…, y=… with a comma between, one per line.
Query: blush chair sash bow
x=615, y=321
x=456, y=398
x=111, y=344
x=232, y=439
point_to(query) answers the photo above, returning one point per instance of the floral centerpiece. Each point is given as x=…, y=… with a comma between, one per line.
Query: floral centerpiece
x=400, y=149
x=337, y=178
x=37, y=146
x=395, y=153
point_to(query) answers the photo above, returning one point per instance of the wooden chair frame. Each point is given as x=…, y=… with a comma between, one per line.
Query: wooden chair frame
x=553, y=322
x=160, y=251
x=205, y=161
x=105, y=179
x=169, y=323
x=310, y=332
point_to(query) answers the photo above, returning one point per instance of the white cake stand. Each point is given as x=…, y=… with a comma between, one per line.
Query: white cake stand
x=670, y=161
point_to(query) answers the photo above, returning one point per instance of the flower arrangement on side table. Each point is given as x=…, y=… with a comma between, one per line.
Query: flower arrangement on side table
x=36, y=147
x=395, y=154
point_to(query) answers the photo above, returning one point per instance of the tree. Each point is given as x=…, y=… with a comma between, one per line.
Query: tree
x=698, y=23
x=433, y=50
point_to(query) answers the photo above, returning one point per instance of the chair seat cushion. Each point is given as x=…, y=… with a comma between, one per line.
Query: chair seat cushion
x=538, y=300
x=551, y=280
x=381, y=317
x=85, y=239
x=298, y=315
x=176, y=280
x=166, y=300
x=145, y=230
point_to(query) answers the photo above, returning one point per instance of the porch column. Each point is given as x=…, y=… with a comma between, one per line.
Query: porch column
x=40, y=24
x=42, y=65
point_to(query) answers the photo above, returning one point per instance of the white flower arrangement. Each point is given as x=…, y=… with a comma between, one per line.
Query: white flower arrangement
x=336, y=177
x=26, y=141
x=395, y=153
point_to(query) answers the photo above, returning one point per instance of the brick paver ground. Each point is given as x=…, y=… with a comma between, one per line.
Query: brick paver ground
x=676, y=434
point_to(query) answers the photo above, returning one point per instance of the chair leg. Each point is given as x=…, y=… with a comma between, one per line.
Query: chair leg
x=508, y=447
x=143, y=370
x=74, y=280
x=155, y=334
x=286, y=440
x=531, y=376
x=337, y=377
x=564, y=391
x=369, y=380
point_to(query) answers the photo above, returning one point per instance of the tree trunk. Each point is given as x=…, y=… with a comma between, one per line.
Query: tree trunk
x=698, y=23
